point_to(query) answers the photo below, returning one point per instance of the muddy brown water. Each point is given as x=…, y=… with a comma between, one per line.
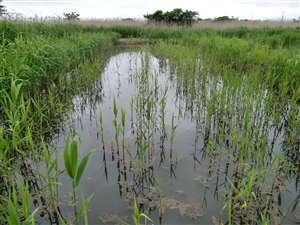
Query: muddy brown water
x=195, y=182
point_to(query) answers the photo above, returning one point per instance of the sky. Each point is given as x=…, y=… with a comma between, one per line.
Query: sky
x=116, y=9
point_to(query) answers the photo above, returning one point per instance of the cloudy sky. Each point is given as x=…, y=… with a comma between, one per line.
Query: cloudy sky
x=244, y=9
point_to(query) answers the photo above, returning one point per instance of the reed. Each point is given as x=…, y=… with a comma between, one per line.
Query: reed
x=159, y=191
x=75, y=172
x=115, y=111
x=236, y=106
x=137, y=216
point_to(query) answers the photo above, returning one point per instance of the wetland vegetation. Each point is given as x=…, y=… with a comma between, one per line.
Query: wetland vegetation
x=189, y=126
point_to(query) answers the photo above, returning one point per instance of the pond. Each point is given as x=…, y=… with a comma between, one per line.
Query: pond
x=163, y=144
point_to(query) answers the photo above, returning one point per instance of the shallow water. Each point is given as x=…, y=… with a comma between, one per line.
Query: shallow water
x=194, y=193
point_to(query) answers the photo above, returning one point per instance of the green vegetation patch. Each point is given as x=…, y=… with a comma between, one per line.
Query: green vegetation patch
x=244, y=83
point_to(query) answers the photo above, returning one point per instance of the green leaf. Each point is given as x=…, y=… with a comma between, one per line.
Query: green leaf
x=4, y=211
x=164, y=187
x=82, y=166
x=29, y=135
x=123, y=117
x=13, y=216
x=246, y=118
x=135, y=220
x=15, y=89
x=124, y=222
x=41, y=175
x=60, y=172
x=53, y=164
x=100, y=117
x=135, y=210
x=144, y=215
x=296, y=96
x=30, y=219
x=67, y=159
x=83, y=209
x=149, y=105
x=46, y=154
x=115, y=107
x=25, y=199
x=74, y=154
x=240, y=194
x=63, y=222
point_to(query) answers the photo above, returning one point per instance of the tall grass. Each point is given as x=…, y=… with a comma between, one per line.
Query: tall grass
x=41, y=68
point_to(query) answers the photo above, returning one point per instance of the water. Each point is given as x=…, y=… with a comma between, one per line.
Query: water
x=194, y=175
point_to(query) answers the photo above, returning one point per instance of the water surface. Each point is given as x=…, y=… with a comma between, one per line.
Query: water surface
x=195, y=168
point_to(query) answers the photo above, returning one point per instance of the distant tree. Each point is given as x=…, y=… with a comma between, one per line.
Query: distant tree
x=158, y=16
x=176, y=16
x=2, y=8
x=128, y=19
x=169, y=18
x=71, y=16
x=189, y=17
x=222, y=18
x=225, y=18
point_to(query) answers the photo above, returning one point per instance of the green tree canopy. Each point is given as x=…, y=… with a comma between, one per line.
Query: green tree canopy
x=157, y=16
x=175, y=17
x=2, y=8
x=225, y=18
x=71, y=16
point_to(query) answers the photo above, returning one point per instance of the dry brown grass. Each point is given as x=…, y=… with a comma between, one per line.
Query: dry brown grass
x=110, y=23
x=142, y=23
x=198, y=25
x=249, y=24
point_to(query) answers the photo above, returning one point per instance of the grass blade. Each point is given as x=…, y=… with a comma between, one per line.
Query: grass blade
x=82, y=166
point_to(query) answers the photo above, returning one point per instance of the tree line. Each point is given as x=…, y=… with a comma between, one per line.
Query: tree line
x=2, y=8
x=181, y=18
x=175, y=17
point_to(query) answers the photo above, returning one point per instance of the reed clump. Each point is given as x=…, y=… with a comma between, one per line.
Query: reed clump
x=41, y=69
x=241, y=90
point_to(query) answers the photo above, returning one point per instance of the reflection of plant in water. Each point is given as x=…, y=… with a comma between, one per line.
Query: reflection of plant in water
x=154, y=199
x=106, y=218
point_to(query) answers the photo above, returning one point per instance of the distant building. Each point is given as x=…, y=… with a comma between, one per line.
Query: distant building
x=1, y=18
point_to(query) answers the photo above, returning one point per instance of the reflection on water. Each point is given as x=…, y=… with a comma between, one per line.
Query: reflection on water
x=181, y=151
